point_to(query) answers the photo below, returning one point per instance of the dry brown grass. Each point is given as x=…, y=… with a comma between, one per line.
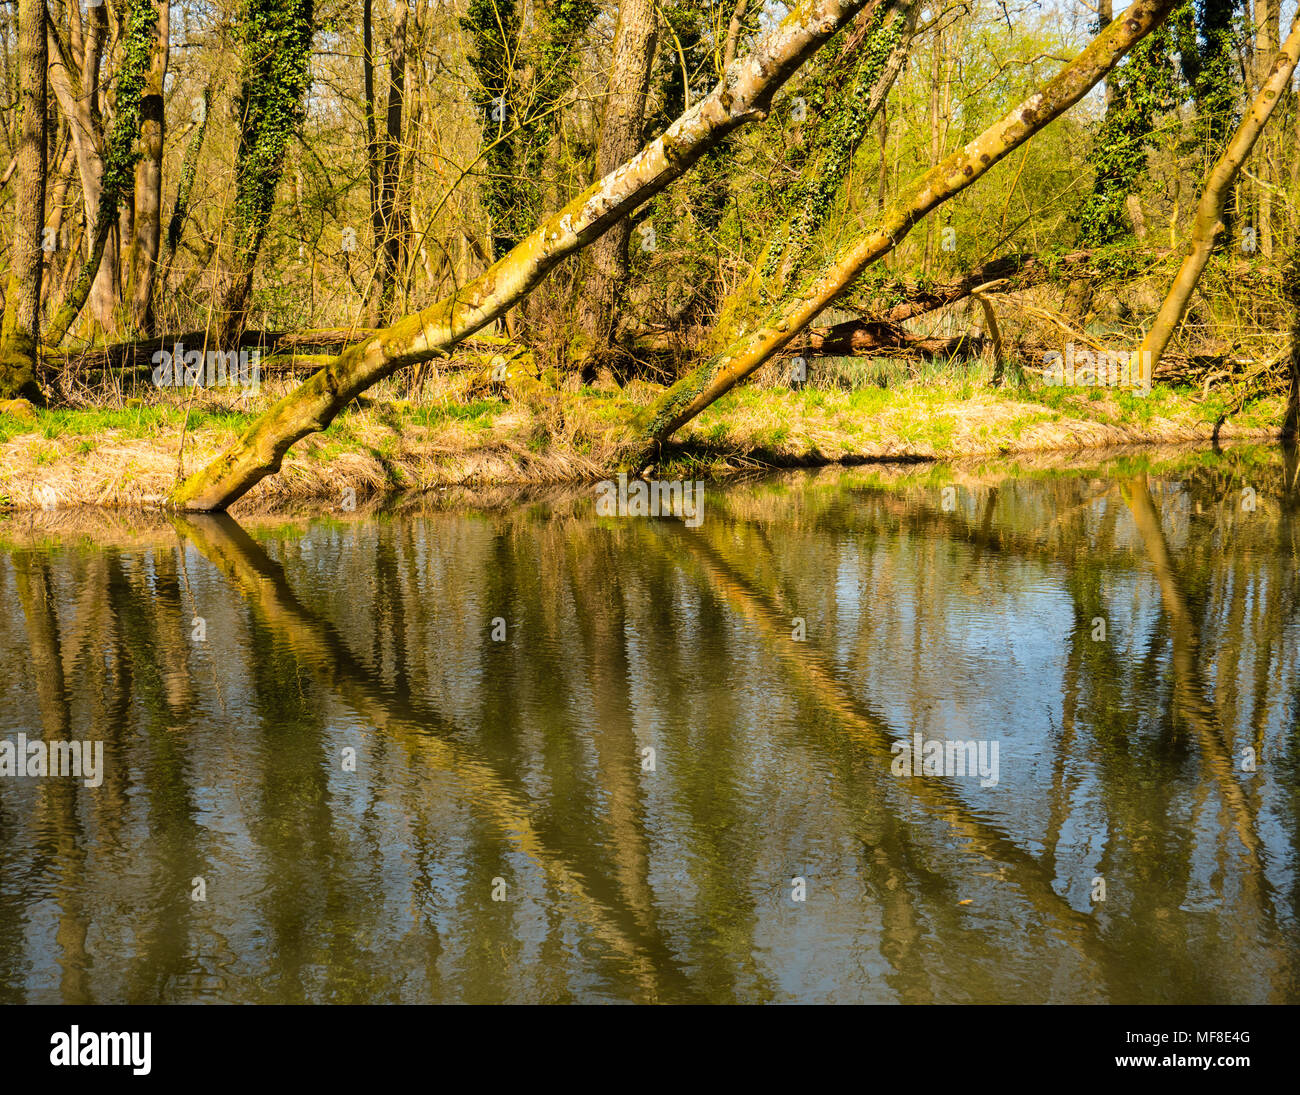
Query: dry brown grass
x=448, y=441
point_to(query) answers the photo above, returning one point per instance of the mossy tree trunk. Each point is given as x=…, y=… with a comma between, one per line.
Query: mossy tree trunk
x=276, y=48
x=492, y=27
x=140, y=38
x=695, y=391
x=22, y=305
x=1209, y=223
x=743, y=94
x=846, y=105
x=148, y=179
x=1138, y=92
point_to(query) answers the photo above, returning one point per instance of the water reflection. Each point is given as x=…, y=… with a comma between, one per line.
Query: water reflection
x=592, y=756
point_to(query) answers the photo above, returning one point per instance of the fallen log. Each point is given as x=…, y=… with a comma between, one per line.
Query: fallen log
x=871, y=338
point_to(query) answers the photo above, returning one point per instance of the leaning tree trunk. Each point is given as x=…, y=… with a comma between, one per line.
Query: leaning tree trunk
x=1209, y=214
x=882, y=35
x=695, y=391
x=22, y=306
x=620, y=137
x=743, y=94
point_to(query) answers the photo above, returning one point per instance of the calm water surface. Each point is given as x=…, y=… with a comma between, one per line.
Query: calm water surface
x=524, y=753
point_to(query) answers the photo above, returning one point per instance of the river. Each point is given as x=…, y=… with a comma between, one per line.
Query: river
x=521, y=752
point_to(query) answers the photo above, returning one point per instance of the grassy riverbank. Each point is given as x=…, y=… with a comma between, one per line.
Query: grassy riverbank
x=130, y=455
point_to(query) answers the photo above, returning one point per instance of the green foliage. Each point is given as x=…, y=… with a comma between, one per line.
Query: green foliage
x=122, y=153
x=565, y=22
x=493, y=29
x=276, y=39
x=1143, y=87
x=519, y=119
x=1203, y=35
x=1122, y=260
x=843, y=107
x=1210, y=65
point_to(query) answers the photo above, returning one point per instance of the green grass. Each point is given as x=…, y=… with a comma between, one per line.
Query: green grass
x=1137, y=407
x=131, y=422
x=480, y=413
x=853, y=406
x=869, y=400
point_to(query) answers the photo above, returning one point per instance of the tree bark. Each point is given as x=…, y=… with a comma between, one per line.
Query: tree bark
x=743, y=94
x=148, y=181
x=76, y=89
x=690, y=395
x=1106, y=16
x=1209, y=214
x=390, y=233
x=19, y=329
x=620, y=137
x=882, y=22
x=733, y=33
x=1267, y=28
x=115, y=164
x=276, y=75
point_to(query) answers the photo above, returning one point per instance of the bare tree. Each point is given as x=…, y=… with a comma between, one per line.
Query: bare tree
x=19, y=334
x=620, y=137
